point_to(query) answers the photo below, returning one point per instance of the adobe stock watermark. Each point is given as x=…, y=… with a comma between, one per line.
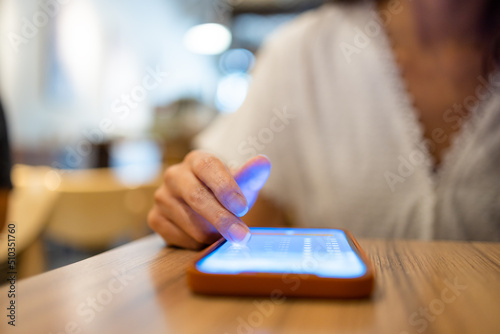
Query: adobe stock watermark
x=120, y=108
x=455, y=117
x=88, y=310
x=255, y=144
x=48, y=9
x=363, y=37
x=421, y=318
x=315, y=258
x=263, y=309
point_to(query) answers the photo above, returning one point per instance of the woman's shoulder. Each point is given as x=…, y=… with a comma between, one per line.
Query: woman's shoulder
x=326, y=21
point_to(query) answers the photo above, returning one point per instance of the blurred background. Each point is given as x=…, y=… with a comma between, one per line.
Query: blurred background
x=101, y=95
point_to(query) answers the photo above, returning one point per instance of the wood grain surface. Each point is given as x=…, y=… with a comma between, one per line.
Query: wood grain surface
x=421, y=287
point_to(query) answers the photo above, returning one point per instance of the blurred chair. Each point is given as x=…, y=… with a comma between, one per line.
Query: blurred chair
x=96, y=211
x=30, y=204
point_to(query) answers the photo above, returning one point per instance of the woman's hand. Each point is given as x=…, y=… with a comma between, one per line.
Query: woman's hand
x=200, y=198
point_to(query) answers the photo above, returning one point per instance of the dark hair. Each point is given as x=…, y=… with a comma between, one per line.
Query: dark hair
x=488, y=31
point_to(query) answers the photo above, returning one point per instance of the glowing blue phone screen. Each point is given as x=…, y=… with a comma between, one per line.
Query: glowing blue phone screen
x=321, y=252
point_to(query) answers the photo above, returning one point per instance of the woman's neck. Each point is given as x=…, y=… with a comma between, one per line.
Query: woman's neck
x=447, y=21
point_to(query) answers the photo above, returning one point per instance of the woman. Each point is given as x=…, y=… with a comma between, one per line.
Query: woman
x=381, y=118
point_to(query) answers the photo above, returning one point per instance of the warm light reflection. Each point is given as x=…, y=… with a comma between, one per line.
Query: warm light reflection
x=52, y=180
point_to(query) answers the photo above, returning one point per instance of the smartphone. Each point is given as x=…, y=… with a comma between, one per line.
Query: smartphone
x=300, y=262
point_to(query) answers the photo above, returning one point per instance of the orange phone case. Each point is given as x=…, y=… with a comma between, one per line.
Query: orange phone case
x=281, y=284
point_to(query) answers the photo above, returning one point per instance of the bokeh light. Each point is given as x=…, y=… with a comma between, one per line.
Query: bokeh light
x=208, y=39
x=236, y=61
x=232, y=91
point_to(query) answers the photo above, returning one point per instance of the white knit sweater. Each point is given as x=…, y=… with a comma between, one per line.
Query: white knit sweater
x=328, y=106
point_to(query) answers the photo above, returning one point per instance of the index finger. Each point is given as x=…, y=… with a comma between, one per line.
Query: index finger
x=215, y=175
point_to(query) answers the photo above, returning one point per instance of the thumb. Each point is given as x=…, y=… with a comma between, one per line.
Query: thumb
x=252, y=176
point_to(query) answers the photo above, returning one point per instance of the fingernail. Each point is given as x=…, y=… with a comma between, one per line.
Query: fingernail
x=237, y=205
x=239, y=233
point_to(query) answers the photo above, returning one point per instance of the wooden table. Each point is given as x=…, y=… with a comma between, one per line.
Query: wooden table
x=422, y=287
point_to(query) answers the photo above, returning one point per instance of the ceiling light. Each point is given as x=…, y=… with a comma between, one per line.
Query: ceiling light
x=207, y=39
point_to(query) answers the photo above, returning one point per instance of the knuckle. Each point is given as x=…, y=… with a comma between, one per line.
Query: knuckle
x=158, y=196
x=206, y=162
x=198, y=197
x=192, y=155
x=153, y=220
x=170, y=173
x=222, y=219
x=222, y=184
x=162, y=197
